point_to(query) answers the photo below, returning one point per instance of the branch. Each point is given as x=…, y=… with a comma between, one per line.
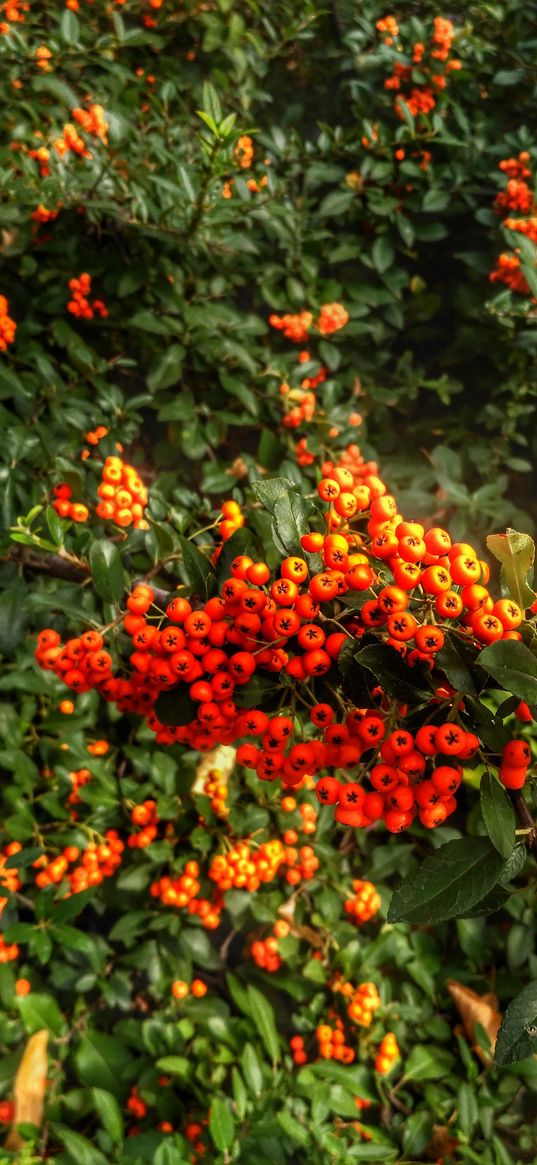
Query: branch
x=525, y=819
x=69, y=570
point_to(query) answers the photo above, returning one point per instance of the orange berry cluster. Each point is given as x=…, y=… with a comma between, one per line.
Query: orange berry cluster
x=183, y=892
x=180, y=989
x=331, y=318
x=518, y=196
x=123, y=495
x=144, y=815
x=79, y=304
x=78, y=778
x=244, y=867
x=302, y=864
x=92, y=121
x=363, y=1004
x=265, y=952
x=8, y=326
x=65, y=507
x=42, y=57
x=387, y=1054
x=135, y=1105
x=365, y=904
x=232, y=519
x=215, y=788
x=8, y=951
x=97, y=862
x=9, y=879
x=244, y=152
x=42, y=215
x=331, y=1043
x=81, y=663
x=307, y=825
x=13, y=11
x=420, y=98
x=516, y=759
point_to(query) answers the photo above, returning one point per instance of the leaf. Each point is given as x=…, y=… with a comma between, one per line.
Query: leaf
x=382, y=254
x=107, y=571
x=392, y=673
x=69, y=27
x=29, y=1087
x=448, y=883
x=454, y=659
x=517, y=1037
x=100, y=1061
x=167, y=369
x=289, y=522
x=176, y=1065
x=292, y=1128
x=109, y=1113
x=263, y=1017
x=175, y=708
x=197, y=568
x=81, y=1151
x=221, y=1124
x=498, y=815
x=475, y=1010
x=252, y=1070
x=516, y=552
x=211, y=102
x=427, y=1063
x=13, y=617
x=513, y=666
x=39, y=1011
x=269, y=489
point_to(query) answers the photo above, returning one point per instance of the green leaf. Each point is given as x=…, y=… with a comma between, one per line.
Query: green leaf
x=263, y=1017
x=211, y=102
x=197, y=568
x=290, y=520
x=293, y=1129
x=40, y=1011
x=80, y=1150
x=516, y=552
x=448, y=883
x=517, y=1037
x=13, y=616
x=100, y=1061
x=382, y=254
x=498, y=815
x=109, y=1113
x=455, y=659
x=167, y=369
x=176, y=1065
x=69, y=27
x=427, y=1062
x=53, y=520
x=107, y=571
x=394, y=675
x=269, y=489
x=221, y=1124
x=175, y=708
x=513, y=666
x=252, y=1070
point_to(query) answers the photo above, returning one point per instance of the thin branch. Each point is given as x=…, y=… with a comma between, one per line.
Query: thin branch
x=525, y=819
x=53, y=565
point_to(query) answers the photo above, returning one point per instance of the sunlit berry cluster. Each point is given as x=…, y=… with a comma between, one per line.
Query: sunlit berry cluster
x=81, y=869
x=365, y=903
x=517, y=198
x=216, y=788
x=123, y=495
x=8, y=326
x=183, y=892
x=387, y=1054
x=79, y=305
x=363, y=1004
x=92, y=121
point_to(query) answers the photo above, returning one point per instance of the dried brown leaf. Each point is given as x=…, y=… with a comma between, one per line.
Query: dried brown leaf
x=476, y=1009
x=29, y=1087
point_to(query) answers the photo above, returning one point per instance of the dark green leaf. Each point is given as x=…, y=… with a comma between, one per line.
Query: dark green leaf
x=513, y=666
x=263, y=1017
x=517, y=1037
x=107, y=571
x=393, y=674
x=197, y=568
x=448, y=883
x=221, y=1124
x=290, y=520
x=498, y=815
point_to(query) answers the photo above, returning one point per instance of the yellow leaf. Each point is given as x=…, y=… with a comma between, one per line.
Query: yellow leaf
x=221, y=760
x=29, y=1087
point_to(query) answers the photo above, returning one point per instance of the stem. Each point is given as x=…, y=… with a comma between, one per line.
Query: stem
x=525, y=818
x=54, y=564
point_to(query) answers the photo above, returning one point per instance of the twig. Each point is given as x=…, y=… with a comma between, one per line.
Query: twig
x=525, y=819
x=53, y=565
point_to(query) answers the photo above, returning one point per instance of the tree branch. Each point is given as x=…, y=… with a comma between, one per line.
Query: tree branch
x=55, y=566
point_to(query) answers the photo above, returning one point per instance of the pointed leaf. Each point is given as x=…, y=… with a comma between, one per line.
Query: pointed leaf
x=516, y=552
x=498, y=815
x=448, y=883
x=513, y=666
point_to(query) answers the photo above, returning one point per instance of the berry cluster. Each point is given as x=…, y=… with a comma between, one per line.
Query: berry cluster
x=65, y=507
x=92, y=121
x=331, y=1043
x=9, y=879
x=182, y=892
x=78, y=778
x=180, y=989
x=332, y=317
x=145, y=816
x=215, y=787
x=365, y=903
x=123, y=495
x=518, y=197
x=388, y=1053
x=82, y=663
x=8, y=326
x=265, y=952
x=244, y=867
x=419, y=80
x=232, y=519
x=79, y=304
x=516, y=759
x=365, y=1001
x=97, y=862
x=8, y=951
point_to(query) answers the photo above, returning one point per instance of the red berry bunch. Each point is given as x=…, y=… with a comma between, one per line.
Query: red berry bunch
x=79, y=304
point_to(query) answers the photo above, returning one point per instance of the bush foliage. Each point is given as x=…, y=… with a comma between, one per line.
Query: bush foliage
x=244, y=244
